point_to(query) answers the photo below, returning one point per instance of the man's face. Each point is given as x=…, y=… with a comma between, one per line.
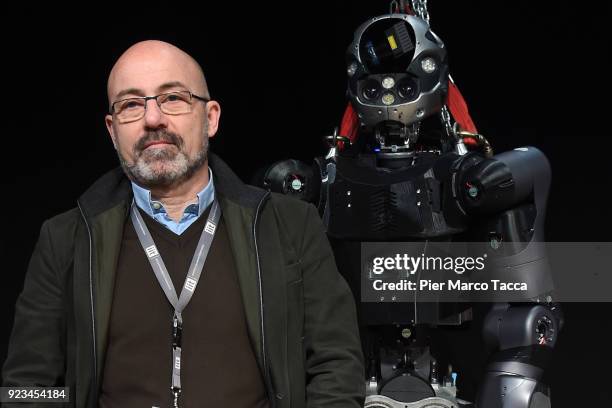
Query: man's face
x=160, y=150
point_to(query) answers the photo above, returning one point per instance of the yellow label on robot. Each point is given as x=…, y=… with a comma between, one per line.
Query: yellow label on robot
x=392, y=42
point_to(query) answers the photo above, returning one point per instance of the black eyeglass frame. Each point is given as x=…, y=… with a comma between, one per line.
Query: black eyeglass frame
x=147, y=98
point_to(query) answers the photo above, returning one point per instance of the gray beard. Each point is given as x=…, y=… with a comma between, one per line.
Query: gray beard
x=163, y=167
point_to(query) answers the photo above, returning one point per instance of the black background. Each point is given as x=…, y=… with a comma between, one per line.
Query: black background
x=533, y=73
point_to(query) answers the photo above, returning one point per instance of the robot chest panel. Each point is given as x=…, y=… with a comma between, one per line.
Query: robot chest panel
x=373, y=205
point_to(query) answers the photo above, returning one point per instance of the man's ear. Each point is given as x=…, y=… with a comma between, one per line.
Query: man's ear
x=108, y=120
x=213, y=112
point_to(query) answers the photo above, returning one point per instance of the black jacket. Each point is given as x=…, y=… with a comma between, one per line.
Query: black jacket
x=300, y=312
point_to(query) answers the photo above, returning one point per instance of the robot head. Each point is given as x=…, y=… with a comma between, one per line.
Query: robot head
x=398, y=72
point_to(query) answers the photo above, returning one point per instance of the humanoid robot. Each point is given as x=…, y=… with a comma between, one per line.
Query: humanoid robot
x=409, y=165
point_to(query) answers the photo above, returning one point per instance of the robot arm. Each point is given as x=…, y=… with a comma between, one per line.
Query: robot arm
x=507, y=195
x=524, y=336
x=509, y=326
x=506, y=181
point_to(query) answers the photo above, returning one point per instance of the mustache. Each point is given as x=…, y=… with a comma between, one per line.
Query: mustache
x=158, y=136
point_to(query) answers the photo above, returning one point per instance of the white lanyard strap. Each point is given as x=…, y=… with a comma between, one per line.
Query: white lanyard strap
x=191, y=281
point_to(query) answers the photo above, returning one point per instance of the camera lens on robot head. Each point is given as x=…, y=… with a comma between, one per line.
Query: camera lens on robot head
x=406, y=88
x=371, y=89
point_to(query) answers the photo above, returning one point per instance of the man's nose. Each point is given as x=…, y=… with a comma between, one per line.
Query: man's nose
x=154, y=117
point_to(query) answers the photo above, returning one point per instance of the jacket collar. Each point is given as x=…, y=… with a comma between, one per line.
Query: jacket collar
x=114, y=187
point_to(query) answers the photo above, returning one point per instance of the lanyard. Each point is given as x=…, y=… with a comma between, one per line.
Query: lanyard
x=193, y=276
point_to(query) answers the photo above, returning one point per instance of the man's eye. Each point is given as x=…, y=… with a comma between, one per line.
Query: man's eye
x=129, y=105
x=175, y=97
x=132, y=104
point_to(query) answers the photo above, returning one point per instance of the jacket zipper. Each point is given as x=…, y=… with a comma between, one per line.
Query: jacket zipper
x=91, y=299
x=267, y=379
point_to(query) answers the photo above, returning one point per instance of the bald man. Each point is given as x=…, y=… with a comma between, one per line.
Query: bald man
x=172, y=283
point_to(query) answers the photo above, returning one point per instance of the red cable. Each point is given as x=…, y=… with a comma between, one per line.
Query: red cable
x=349, y=125
x=458, y=108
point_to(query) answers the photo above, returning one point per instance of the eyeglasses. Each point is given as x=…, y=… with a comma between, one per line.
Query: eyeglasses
x=170, y=103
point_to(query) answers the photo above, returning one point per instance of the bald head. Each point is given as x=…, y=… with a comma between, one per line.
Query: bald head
x=150, y=66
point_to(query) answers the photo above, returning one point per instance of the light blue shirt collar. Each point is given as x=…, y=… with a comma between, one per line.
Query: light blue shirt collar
x=156, y=210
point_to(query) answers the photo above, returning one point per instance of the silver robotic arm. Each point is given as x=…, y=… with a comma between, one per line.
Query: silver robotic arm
x=524, y=336
x=507, y=196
